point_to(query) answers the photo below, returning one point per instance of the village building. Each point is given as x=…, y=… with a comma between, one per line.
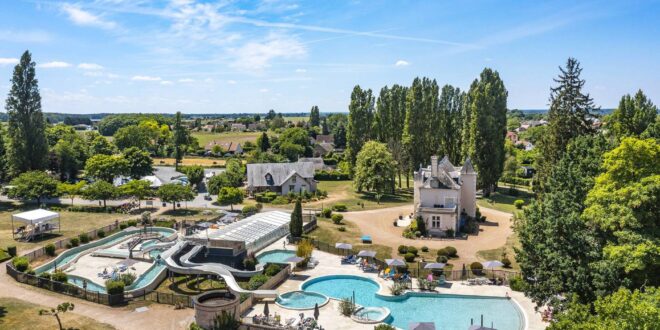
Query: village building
x=281, y=178
x=238, y=127
x=228, y=148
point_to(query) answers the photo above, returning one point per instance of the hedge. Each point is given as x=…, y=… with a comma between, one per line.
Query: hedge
x=339, y=208
x=21, y=263
x=331, y=176
x=114, y=287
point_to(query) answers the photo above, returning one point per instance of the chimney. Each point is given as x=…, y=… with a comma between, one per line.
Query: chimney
x=434, y=166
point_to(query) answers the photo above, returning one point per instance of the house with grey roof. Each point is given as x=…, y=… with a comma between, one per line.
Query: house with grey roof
x=281, y=178
x=445, y=195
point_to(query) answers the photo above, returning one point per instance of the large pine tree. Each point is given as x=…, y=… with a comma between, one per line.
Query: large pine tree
x=27, y=140
x=633, y=116
x=296, y=224
x=360, y=120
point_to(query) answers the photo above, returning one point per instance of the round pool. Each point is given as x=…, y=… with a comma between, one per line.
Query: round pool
x=275, y=256
x=344, y=286
x=301, y=300
x=371, y=314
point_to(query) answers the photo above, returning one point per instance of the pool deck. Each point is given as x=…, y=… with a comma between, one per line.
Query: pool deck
x=330, y=318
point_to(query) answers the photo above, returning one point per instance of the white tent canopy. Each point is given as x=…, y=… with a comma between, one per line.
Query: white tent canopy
x=36, y=216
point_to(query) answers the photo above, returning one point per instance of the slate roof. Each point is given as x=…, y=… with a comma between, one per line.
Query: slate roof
x=329, y=138
x=279, y=172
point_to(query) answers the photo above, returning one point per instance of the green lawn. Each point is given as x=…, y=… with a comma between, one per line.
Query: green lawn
x=72, y=224
x=205, y=137
x=328, y=232
x=501, y=201
x=18, y=314
x=189, y=214
x=496, y=254
x=342, y=192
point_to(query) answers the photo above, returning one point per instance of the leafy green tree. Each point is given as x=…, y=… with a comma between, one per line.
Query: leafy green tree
x=451, y=103
x=26, y=126
x=3, y=155
x=375, y=169
x=138, y=189
x=100, y=190
x=174, y=193
x=60, y=309
x=389, y=121
x=99, y=145
x=139, y=136
x=622, y=310
x=181, y=139
x=568, y=118
x=339, y=134
x=653, y=131
x=139, y=162
x=291, y=151
x=230, y=196
x=360, y=120
x=71, y=190
x=633, y=115
x=421, y=119
x=263, y=142
x=623, y=207
x=296, y=223
x=195, y=174
x=106, y=168
x=486, y=102
x=294, y=142
x=69, y=155
x=31, y=185
x=314, y=116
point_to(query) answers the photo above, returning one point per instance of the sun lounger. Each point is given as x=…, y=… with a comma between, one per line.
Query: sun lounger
x=441, y=280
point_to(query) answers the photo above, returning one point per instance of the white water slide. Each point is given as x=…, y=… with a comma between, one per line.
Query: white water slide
x=187, y=267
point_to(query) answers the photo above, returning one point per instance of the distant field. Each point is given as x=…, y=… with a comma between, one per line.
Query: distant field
x=189, y=161
x=18, y=314
x=205, y=137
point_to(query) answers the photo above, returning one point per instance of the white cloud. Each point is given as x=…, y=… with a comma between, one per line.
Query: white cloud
x=186, y=80
x=166, y=82
x=401, y=63
x=301, y=70
x=54, y=65
x=258, y=55
x=146, y=78
x=84, y=18
x=231, y=82
x=90, y=66
x=8, y=60
x=264, y=90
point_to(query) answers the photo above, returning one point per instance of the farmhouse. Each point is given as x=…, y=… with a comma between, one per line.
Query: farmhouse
x=281, y=177
x=228, y=148
x=445, y=195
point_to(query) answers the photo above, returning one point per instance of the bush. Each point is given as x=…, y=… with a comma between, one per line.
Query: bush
x=337, y=218
x=450, y=233
x=45, y=275
x=326, y=213
x=476, y=268
x=50, y=249
x=257, y=281
x=11, y=250
x=403, y=249
x=131, y=223
x=506, y=262
x=84, y=238
x=339, y=208
x=397, y=289
x=519, y=203
x=342, y=229
x=20, y=263
x=68, y=245
x=114, y=287
x=346, y=307
x=331, y=175
x=249, y=263
x=409, y=257
x=249, y=209
x=272, y=269
x=100, y=233
x=384, y=327
x=451, y=252
x=59, y=276
x=280, y=200
x=259, y=207
x=517, y=284
x=425, y=249
x=74, y=241
x=127, y=278
x=265, y=197
x=413, y=250
x=123, y=226
x=442, y=259
x=443, y=252
x=418, y=234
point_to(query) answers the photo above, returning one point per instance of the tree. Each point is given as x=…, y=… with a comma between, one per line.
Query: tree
x=421, y=118
x=72, y=190
x=360, y=118
x=26, y=127
x=263, y=142
x=325, y=130
x=138, y=189
x=375, y=169
x=294, y=143
x=142, y=137
x=174, y=193
x=106, y=168
x=33, y=185
x=230, y=196
x=99, y=145
x=61, y=308
x=139, y=162
x=339, y=134
x=100, y=190
x=195, y=174
x=633, y=115
x=296, y=223
x=270, y=115
x=389, y=121
x=568, y=117
x=450, y=110
x=314, y=117
x=181, y=137
x=69, y=156
x=3, y=156
x=486, y=103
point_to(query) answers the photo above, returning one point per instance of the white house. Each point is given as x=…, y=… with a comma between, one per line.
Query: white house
x=281, y=177
x=445, y=195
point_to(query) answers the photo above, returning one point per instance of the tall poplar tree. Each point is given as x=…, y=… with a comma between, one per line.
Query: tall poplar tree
x=390, y=120
x=360, y=119
x=181, y=139
x=450, y=123
x=314, y=117
x=421, y=108
x=487, y=105
x=27, y=139
x=3, y=156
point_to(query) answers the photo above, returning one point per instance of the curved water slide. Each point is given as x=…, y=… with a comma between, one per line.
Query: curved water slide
x=186, y=267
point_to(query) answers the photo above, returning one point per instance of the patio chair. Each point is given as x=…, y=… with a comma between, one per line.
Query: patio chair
x=358, y=262
x=386, y=273
x=441, y=280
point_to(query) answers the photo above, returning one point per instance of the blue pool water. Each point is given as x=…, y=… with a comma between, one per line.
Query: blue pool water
x=301, y=300
x=275, y=256
x=91, y=286
x=447, y=311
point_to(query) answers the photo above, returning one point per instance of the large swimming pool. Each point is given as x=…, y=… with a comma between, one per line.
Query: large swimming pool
x=275, y=256
x=446, y=311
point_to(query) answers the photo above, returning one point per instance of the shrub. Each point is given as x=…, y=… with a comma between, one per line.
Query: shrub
x=50, y=249
x=257, y=281
x=249, y=263
x=123, y=226
x=59, y=276
x=342, y=229
x=442, y=259
x=450, y=233
x=384, y=327
x=337, y=218
x=131, y=223
x=339, y=208
x=517, y=284
x=346, y=307
x=114, y=287
x=68, y=245
x=21, y=263
x=11, y=250
x=425, y=249
x=259, y=207
x=506, y=262
x=74, y=241
x=280, y=200
x=409, y=257
x=272, y=269
x=30, y=271
x=84, y=238
x=127, y=278
x=397, y=289
x=403, y=249
x=519, y=203
x=45, y=275
x=249, y=209
x=413, y=250
x=451, y=252
x=326, y=213
x=476, y=268
x=418, y=234
x=100, y=233
x=443, y=252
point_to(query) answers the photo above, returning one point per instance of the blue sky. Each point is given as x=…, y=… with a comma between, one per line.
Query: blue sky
x=251, y=56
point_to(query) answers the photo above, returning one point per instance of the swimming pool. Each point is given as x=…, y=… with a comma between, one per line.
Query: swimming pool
x=275, y=256
x=447, y=311
x=301, y=300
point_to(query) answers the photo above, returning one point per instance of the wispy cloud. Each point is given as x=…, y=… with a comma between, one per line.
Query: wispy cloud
x=186, y=80
x=146, y=78
x=257, y=55
x=166, y=82
x=8, y=61
x=301, y=70
x=90, y=66
x=85, y=18
x=54, y=65
x=231, y=82
x=401, y=63
x=28, y=37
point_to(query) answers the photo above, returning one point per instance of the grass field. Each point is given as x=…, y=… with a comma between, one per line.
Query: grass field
x=18, y=314
x=72, y=224
x=504, y=202
x=189, y=161
x=342, y=192
x=205, y=137
x=328, y=232
x=496, y=254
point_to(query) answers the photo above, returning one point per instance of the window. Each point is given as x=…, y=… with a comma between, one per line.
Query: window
x=293, y=179
x=292, y=187
x=450, y=202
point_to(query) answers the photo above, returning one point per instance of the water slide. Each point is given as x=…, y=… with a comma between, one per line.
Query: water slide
x=186, y=267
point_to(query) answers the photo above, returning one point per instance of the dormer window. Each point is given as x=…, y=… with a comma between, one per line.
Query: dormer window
x=269, y=179
x=293, y=180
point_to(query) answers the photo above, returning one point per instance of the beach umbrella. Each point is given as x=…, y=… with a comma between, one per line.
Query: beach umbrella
x=492, y=264
x=343, y=246
x=266, y=311
x=435, y=265
x=367, y=253
x=316, y=311
x=395, y=262
x=421, y=326
x=294, y=259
